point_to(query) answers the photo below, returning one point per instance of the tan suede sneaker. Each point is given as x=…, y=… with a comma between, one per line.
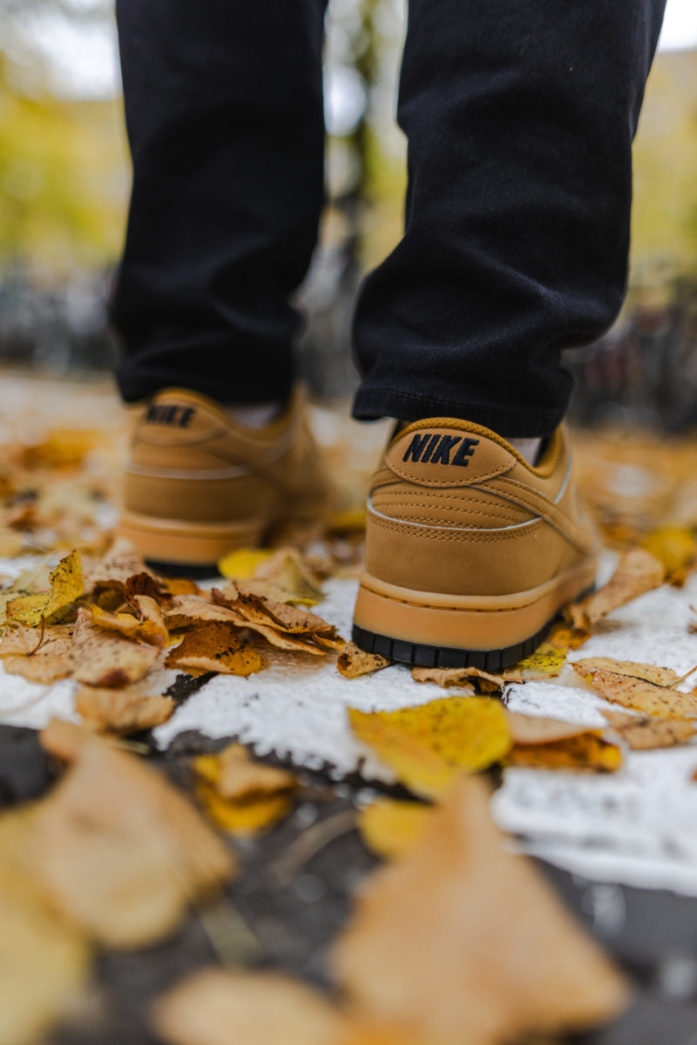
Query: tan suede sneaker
x=198, y=484
x=471, y=552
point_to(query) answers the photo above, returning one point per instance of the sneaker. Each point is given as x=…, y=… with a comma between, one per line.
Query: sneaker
x=199, y=484
x=470, y=551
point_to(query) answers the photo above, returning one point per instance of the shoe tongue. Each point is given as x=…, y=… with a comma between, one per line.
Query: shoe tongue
x=444, y=455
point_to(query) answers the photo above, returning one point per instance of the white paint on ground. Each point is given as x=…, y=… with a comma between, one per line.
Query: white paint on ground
x=635, y=826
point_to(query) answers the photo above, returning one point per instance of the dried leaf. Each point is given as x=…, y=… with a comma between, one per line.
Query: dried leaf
x=215, y=646
x=479, y=965
x=240, y=795
x=286, y=627
x=120, y=563
x=42, y=658
x=447, y=677
x=147, y=626
x=213, y=1006
x=627, y=684
x=546, y=662
x=53, y=606
x=44, y=961
x=391, y=828
x=235, y=775
x=566, y=638
x=61, y=448
x=11, y=543
x=353, y=662
x=120, y=852
x=585, y=751
x=102, y=658
x=638, y=571
x=537, y=729
x=427, y=746
x=122, y=711
x=44, y=667
x=289, y=576
x=645, y=733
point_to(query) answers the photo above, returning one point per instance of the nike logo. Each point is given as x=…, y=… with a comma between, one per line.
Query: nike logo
x=170, y=414
x=438, y=448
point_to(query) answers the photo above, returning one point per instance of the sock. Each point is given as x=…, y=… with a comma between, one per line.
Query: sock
x=529, y=449
x=255, y=415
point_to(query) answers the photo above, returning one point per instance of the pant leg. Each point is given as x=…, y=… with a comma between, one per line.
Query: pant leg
x=519, y=118
x=225, y=123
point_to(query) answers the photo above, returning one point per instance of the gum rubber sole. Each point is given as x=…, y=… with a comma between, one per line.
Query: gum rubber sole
x=423, y=656
x=431, y=629
x=187, y=545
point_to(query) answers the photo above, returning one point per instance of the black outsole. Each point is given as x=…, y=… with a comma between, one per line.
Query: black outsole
x=173, y=569
x=422, y=656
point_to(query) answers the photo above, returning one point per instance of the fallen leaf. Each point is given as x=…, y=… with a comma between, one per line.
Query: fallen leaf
x=289, y=576
x=638, y=571
x=632, y=686
x=286, y=627
x=567, y=638
x=215, y=646
x=546, y=662
x=428, y=745
x=115, y=569
x=674, y=546
x=538, y=729
x=122, y=711
x=216, y=1006
x=54, y=606
x=443, y=944
x=102, y=658
x=392, y=828
x=119, y=851
x=586, y=751
x=240, y=795
x=44, y=961
x=353, y=662
x=146, y=624
x=235, y=775
x=38, y=658
x=646, y=733
x=61, y=448
x=243, y=563
x=447, y=677
x=11, y=543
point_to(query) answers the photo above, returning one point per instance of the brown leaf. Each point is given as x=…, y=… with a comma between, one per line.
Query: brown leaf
x=628, y=685
x=353, y=662
x=45, y=661
x=646, y=733
x=286, y=627
x=587, y=750
x=122, y=711
x=144, y=624
x=120, y=852
x=649, y=672
x=101, y=658
x=638, y=571
x=447, y=677
x=215, y=646
x=443, y=945
x=215, y=1006
x=538, y=729
x=120, y=563
x=44, y=960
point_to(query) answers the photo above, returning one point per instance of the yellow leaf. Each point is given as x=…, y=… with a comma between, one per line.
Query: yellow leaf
x=427, y=746
x=242, y=818
x=54, y=606
x=546, y=662
x=586, y=751
x=391, y=828
x=674, y=546
x=243, y=563
x=61, y=448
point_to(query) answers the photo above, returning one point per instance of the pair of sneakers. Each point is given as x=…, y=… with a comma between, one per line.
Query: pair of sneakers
x=470, y=550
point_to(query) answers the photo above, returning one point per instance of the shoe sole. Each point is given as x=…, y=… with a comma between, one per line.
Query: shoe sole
x=449, y=631
x=194, y=545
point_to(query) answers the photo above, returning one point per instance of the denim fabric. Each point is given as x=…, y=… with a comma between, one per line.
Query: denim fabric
x=519, y=118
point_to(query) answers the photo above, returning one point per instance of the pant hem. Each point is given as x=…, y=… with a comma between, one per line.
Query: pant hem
x=510, y=422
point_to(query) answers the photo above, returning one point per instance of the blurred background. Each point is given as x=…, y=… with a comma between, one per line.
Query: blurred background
x=64, y=178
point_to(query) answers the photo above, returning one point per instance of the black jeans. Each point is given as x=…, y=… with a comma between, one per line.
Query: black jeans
x=519, y=116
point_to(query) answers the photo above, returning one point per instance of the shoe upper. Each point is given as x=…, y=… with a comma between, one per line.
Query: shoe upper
x=453, y=508
x=190, y=460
